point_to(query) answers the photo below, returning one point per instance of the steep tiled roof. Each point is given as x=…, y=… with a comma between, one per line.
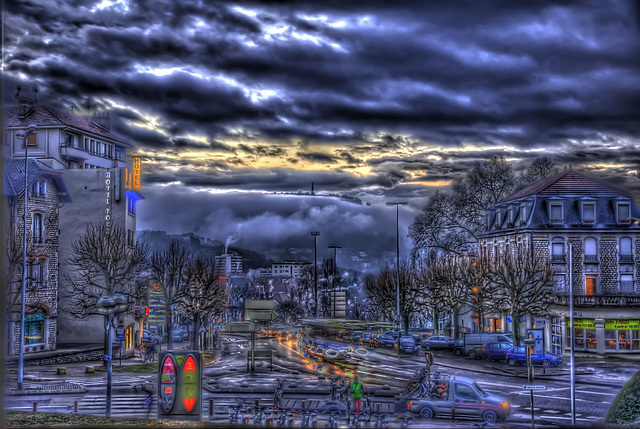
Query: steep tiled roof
x=14, y=177
x=44, y=116
x=566, y=183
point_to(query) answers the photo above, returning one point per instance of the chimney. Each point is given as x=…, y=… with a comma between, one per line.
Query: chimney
x=25, y=107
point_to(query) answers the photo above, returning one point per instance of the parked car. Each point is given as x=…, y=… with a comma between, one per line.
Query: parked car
x=474, y=342
x=406, y=344
x=176, y=336
x=438, y=342
x=355, y=337
x=150, y=336
x=365, y=338
x=495, y=351
x=394, y=334
x=518, y=355
x=384, y=340
x=458, y=348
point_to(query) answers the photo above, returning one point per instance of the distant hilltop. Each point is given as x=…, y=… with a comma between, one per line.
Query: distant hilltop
x=348, y=198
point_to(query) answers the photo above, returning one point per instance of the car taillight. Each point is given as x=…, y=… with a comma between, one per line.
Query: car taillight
x=484, y=350
x=507, y=354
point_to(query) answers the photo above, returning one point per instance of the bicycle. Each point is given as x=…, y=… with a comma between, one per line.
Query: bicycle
x=285, y=419
x=309, y=419
x=406, y=421
x=268, y=419
x=333, y=420
x=381, y=421
x=277, y=395
x=354, y=420
x=234, y=413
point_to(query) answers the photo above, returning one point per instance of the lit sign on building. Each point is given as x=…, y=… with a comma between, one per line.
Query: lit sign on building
x=132, y=180
x=107, y=189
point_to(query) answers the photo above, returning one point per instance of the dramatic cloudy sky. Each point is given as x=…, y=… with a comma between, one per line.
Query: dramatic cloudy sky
x=229, y=102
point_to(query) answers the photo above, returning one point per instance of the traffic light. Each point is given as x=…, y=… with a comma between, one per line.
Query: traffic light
x=180, y=381
x=146, y=311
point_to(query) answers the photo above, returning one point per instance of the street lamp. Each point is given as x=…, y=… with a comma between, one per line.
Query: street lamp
x=24, y=136
x=315, y=269
x=110, y=306
x=397, y=205
x=333, y=283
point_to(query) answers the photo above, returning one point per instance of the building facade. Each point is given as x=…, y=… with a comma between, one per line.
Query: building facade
x=94, y=164
x=289, y=268
x=228, y=265
x=589, y=232
x=46, y=193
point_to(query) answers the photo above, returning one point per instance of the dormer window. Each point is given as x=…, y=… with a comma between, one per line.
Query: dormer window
x=556, y=212
x=523, y=214
x=588, y=212
x=498, y=220
x=623, y=212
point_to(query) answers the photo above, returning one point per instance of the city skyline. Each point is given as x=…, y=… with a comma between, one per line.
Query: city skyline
x=235, y=107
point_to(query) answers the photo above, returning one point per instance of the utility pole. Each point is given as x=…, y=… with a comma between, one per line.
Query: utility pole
x=333, y=283
x=397, y=205
x=315, y=235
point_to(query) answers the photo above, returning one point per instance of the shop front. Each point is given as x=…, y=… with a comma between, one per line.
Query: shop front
x=605, y=335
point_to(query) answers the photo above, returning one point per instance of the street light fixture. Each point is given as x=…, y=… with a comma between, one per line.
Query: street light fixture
x=315, y=235
x=333, y=283
x=24, y=136
x=110, y=306
x=397, y=205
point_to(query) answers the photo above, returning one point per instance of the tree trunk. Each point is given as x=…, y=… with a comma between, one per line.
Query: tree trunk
x=405, y=322
x=456, y=323
x=436, y=324
x=516, y=329
x=169, y=323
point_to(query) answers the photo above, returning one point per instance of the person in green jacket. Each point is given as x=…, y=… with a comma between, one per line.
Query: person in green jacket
x=356, y=392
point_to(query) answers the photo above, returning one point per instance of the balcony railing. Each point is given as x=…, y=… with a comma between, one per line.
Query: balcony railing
x=626, y=300
x=627, y=286
x=592, y=259
x=626, y=258
x=558, y=258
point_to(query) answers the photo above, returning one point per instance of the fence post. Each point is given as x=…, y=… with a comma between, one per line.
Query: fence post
x=35, y=407
x=210, y=408
x=75, y=407
x=453, y=414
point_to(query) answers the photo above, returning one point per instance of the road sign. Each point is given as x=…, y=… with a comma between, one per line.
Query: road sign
x=577, y=314
x=260, y=315
x=107, y=358
x=525, y=387
x=260, y=304
x=540, y=323
x=243, y=327
x=119, y=339
x=509, y=319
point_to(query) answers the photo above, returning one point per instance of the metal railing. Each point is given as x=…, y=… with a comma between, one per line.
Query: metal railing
x=626, y=258
x=618, y=300
x=558, y=258
x=591, y=258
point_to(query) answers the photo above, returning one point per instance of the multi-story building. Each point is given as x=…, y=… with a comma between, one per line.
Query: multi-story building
x=228, y=265
x=46, y=192
x=289, y=268
x=93, y=162
x=570, y=214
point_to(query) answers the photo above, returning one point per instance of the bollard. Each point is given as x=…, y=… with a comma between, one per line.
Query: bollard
x=378, y=407
x=303, y=403
x=90, y=370
x=35, y=407
x=61, y=370
x=210, y=408
x=75, y=407
x=453, y=414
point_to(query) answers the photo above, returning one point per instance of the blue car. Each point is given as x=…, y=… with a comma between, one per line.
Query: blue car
x=496, y=351
x=518, y=355
x=384, y=340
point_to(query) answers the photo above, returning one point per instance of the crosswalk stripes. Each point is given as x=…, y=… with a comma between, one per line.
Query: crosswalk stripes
x=121, y=381
x=121, y=405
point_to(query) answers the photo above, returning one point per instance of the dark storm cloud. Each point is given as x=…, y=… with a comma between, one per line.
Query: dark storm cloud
x=316, y=157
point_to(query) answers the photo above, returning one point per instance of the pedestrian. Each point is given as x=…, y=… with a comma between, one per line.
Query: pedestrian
x=356, y=392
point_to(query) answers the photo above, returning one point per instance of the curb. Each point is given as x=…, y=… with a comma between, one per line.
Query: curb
x=41, y=390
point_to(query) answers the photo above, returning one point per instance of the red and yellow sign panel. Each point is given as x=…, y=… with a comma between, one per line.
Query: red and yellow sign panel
x=190, y=380
x=133, y=179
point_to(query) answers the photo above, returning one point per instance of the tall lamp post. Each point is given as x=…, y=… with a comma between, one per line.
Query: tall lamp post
x=397, y=205
x=24, y=136
x=333, y=283
x=110, y=306
x=315, y=235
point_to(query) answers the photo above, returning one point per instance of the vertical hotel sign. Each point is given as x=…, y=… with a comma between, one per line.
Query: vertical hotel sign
x=107, y=196
x=132, y=180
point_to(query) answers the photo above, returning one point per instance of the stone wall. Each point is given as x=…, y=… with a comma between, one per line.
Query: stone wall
x=87, y=356
x=608, y=265
x=576, y=262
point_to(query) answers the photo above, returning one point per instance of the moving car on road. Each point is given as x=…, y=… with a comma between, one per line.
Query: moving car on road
x=438, y=342
x=466, y=397
x=518, y=355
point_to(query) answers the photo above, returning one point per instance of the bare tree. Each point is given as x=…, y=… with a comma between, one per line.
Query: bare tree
x=522, y=284
x=290, y=311
x=382, y=288
x=539, y=169
x=205, y=295
x=102, y=263
x=169, y=267
x=450, y=223
x=305, y=289
x=13, y=267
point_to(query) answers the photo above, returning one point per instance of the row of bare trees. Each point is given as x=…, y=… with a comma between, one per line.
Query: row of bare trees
x=102, y=262
x=517, y=284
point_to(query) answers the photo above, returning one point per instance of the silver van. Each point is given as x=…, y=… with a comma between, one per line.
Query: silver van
x=474, y=342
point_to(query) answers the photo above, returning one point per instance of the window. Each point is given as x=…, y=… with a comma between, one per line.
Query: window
x=555, y=213
x=523, y=214
x=626, y=283
x=32, y=140
x=34, y=327
x=119, y=154
x=131, y=206
x=130, y=239
x=37, y=273
x=39, y=189
x=556, y=335
x=590, y=250
x=589, y=212
x=624, y=212
x=464, y=391
x=590, y=284
x=557, y=250
x=38, y=228
x=625, y=250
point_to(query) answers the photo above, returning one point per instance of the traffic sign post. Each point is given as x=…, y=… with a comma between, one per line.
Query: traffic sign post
x=258, y=310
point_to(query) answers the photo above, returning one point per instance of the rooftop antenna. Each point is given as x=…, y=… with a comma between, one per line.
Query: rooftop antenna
x=18, y=89
x=569, y=167
x=35, y=94
x=71, y=109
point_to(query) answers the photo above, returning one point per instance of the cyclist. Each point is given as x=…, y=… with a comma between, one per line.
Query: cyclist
x=356, y=392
